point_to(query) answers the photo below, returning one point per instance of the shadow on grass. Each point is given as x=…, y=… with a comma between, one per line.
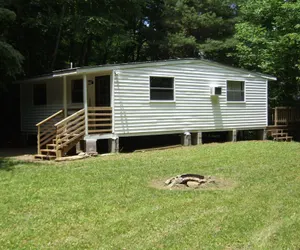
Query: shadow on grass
x=8, y=164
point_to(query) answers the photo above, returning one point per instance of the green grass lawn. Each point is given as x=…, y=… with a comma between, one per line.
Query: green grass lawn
x=108, y=203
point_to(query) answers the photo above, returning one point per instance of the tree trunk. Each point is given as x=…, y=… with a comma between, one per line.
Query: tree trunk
x=58, y=37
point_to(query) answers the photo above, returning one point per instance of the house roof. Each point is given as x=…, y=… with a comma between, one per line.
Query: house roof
x=110, y=67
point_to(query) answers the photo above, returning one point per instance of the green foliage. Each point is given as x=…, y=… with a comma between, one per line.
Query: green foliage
x=54, y=33
x=7, y=17
x=10, y=59
x=200, y=28
x=269, y=36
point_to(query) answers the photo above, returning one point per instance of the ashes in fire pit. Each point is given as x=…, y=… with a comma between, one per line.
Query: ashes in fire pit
x=189, y=180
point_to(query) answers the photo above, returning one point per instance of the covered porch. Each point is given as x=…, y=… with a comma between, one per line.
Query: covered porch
x=87, y=112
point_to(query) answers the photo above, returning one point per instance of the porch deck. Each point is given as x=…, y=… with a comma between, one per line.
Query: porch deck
x=284, y=123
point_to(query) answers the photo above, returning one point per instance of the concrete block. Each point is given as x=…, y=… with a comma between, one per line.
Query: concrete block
x=113, y=145
x=196, y=138
x=232, y=135
x=91, y=146
x=186, y=139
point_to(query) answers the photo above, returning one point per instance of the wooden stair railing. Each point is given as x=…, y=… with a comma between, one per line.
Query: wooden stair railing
x=59, y=136
x=46, y=130
x=284, y=116
x=99, y=120
x=68, y=132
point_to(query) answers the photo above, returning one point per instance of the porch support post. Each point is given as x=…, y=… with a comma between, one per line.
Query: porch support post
x=113, y=145
x=85, y=102
x=65, y=96
x=234, y=135
x=262, y=134
x=196, y=138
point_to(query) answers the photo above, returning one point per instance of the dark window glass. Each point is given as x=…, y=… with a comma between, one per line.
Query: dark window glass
x=40, y=94
x=77, y=91
x=218, y=91
x=235, y=91
x=161, y=88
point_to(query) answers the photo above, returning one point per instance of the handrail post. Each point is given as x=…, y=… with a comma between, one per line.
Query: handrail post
x=56, y=145
x=39, y=140
x=276, y=116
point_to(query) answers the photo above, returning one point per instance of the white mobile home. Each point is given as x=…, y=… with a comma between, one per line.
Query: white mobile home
x=186, y=96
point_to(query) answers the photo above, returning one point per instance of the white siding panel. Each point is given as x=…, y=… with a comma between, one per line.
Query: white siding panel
x=30, y=114
x=194, y=108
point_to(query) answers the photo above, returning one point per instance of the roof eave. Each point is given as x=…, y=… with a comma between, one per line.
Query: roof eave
x=270, y=78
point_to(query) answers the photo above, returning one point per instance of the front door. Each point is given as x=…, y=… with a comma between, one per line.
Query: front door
x=102, y=91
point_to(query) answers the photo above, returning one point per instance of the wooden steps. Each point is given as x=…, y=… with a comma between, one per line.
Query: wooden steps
x=50, y=152
x=58, y=135
x=279, y=134
x=44, y=157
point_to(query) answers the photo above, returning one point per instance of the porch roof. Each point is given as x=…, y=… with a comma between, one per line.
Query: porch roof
x=110, y=67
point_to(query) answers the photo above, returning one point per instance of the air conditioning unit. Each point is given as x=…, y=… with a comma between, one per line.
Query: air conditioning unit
x=215, y=90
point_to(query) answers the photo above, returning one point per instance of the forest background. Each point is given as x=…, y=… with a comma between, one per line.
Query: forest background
x=39, y=36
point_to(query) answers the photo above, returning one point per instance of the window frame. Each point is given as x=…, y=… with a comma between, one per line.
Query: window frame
x=33, y=94
x=244, y=90
x=173, y=88
x=72, y=89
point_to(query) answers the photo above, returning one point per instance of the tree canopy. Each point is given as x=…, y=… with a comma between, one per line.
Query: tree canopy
x=40, y=36
x=269, y=41
x=11, y=59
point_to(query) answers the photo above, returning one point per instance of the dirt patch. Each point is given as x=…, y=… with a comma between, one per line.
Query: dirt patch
x=27, y=158
x=218, y=184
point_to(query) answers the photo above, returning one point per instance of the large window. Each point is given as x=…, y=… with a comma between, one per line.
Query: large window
x=77, y=91
x=39, y=94
x=161, y=88
x=236, y=91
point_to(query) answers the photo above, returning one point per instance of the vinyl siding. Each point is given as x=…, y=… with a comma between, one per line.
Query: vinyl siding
x=31, y=114
x=193, y=109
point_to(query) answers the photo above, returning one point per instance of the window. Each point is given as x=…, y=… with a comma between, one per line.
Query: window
x=77, y=91
x=40, y=94
x=236, y=91
x=161, y=88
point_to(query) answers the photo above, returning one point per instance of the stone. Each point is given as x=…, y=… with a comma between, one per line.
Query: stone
x=193, y=184
x=169, y=181
x=189, y=180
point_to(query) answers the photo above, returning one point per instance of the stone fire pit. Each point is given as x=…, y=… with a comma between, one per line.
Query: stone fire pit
x=189, y=180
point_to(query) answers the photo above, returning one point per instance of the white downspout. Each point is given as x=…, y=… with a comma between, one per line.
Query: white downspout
x=85, y=102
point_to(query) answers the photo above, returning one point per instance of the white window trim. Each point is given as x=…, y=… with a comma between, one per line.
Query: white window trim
x=42, y=105
x=174, y=89
x=245, y=92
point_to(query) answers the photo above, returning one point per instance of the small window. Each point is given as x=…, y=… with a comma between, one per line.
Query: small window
x=236, y=91
x=39, y=94
x=77, y=91
x=161, y=88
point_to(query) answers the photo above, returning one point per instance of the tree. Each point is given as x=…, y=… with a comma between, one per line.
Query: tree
x=10, y=58
x=269, y=41
x=200, y=28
